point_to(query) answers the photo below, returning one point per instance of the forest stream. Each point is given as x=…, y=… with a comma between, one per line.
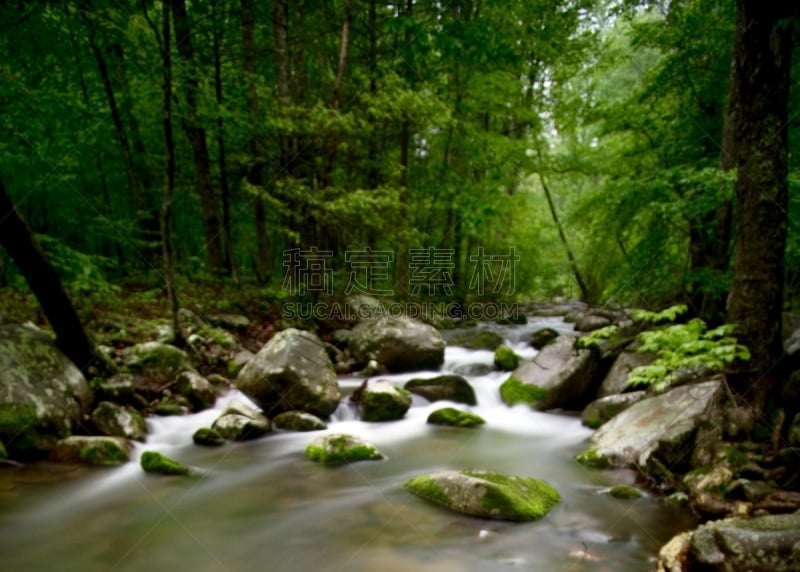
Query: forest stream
x=262, y=505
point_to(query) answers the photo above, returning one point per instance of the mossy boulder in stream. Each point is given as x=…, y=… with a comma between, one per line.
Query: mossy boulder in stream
x=197, y=389
x=339, y=449
x=104, y=451
x=383, y=401
x=487, y=495
x=241, y=424
x=476, y=339
x=399, y=344
x=159, y=464
x=43, y=396
x=292, y=372
x=513, y=391
x=443, y=387
x=455, y=418
x=542, y=337
x=118, y=421
x=298, y=421
x=157, y=361
x=505, y=359
x=208, y=437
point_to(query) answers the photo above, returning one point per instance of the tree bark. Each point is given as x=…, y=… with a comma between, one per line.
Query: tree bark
x=759, y=108
x=43, y=280
x=196, y=134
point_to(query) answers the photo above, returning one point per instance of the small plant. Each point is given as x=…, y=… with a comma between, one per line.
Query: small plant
x=595, y=338
x=667, y=316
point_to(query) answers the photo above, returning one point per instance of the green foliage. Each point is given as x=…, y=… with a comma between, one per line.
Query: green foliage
x=595, y=338
x=664, y=316
x=514, y=391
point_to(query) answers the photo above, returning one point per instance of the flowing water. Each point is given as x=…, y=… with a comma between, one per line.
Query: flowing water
x=261, y=505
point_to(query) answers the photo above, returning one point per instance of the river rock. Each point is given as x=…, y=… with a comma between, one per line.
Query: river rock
x=674, y=555
x=505, y=359
x=241, y=425
x=455, y=418
x=559, y=376
x=233, y=322
x=591, y=322
x=157, y=361
x=487, y=495
x=298, y=421
x=104, y=451
x=197, y=389
x=43, y=396
x=208, y=437
x=473, y=369
x=383, y=401
x=663, y=427
x=338, y=449
x=292, y=372
x=768, y=543
x=120, y=388
x=602, y=410
x=118, y=421
x=476, y=339
x=443, y=387
x=616, y=381
x=540, y=338
x=400, y=344
x=156, y=463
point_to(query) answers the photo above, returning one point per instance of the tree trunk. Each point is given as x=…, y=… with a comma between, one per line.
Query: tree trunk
x=196, y=135
x=759, y=107
x=43, y=280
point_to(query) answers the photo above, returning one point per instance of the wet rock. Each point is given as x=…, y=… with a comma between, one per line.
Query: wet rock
x=338, y=449
x=476, y=340
x=505, y=359
x=43, y=396
x=157, y=361
x=169, y=405
x=559, y=376
x=240, y=424
x=591, y=322
x=674, y=555
x=238, y=361
x=120, y=388
x=660, y=428
x=486, y=495
x=298, y=421
x=444, y=387
x=399, y=344
x=541, y=338
x=208, y=437
x=292, y=372
x=197, y=389
x=604, y=409
x=156, y=463
x=383, y=401
x=779, y=502
x=118, y=421
x=473, y=369
x=103, y=451
x=455, y=418
x=625, y=492
x=616, y=381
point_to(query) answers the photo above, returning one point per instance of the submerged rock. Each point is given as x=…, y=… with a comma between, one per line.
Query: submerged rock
x=43, y=396
x=604, y=409
x=443, y=387
x=292, y=372
x=338, y=449
x=208, y=437
x=104, y=451
x=298, y=421
x=486, y=494
x=559, y=376
x=541, y=338
x=505, y=359
x=117, y=421
x=400, y=344
x=157, y=463
x=455, y=418
x=383, y=401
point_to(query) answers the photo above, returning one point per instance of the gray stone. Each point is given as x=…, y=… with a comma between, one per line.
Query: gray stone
x=157, y=361
x=616, y=381
x=233, y=322
x=443, y=387
x=602, y=410
x=383, y=401
x=292, y=372
x=476, y=339
x=399, y=344
x=117, y=421
x=81, y=449
x=43, y=396
x=473, y=369
x=298, y=421
x=339, y=449
x=540, y=338
x=197, y=389
x=591, y=322
x=236, y=425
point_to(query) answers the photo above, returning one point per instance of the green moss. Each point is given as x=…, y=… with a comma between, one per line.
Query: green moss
x=234, y=367
x=103, y=453
x=157, y=463
x=514, y=391
x=3, y=452
x=592, y=422
x=735, y=457
x=520, y=498
x=455, y=418
x=208, y=437
x=591, y=458
x=341, y=449
x=625, y=492
x=18, y=426
x=505, y=359
x=427, y=488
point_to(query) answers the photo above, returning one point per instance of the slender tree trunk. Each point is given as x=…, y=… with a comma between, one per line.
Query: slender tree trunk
x=43, y=280
x=759, y=108
x=196, y=135
x=344, y=44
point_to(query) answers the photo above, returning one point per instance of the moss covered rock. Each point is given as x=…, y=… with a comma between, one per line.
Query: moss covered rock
x=159, y=464
x=118, y=421
x=542, y=337
x=196, y=389
x=43, y=396
x=602, y=410
x=486, y=494
x=208, y=437
x=157, y=361
x=513, y=391
x=455, y=418
x=476, y=340
x=505, y=359
x=443, y=387
x=339, y=449
x=298, y=421
x=103, y=451
x=399, y=344
x=239, y=424
x=383, y=401
x=625, y=492
x=592, y=458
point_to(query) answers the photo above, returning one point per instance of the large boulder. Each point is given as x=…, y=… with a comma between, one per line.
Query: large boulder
x=43, y=396
x=298, y=421
x=455, y=418
x=241, y=423
x=399, y=344
x=383, y=401
x=487, y=495
x=157, y=361
x=559, y=376
x=476, y=339
x=616, y=381
x=118, y=421
x=197, y=389
x=339, y=449
x=292, y=372
x=661, y=429
x=443, y=387
x=602, y=410
x=81, y=449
